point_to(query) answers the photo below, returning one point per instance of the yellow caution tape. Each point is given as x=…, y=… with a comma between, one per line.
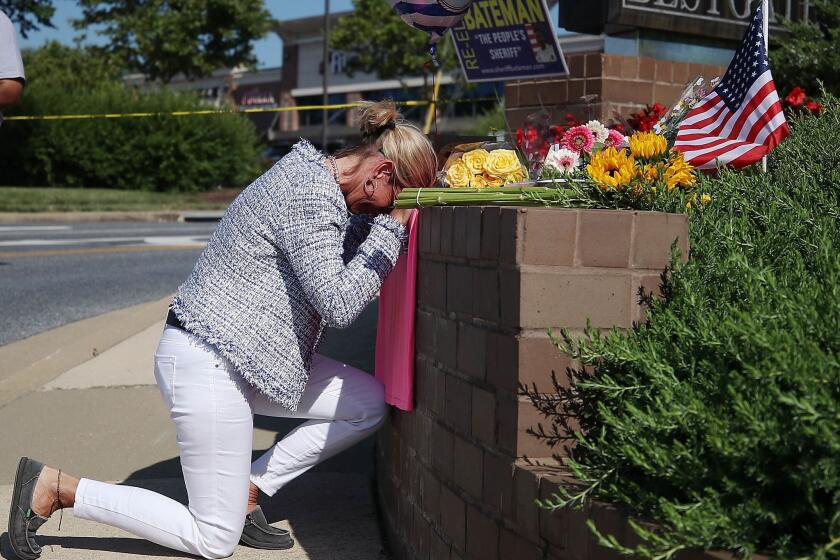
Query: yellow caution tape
x=410, y=103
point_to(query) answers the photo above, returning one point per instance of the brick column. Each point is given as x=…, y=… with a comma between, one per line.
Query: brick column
x=599, y=85
x=451, y=474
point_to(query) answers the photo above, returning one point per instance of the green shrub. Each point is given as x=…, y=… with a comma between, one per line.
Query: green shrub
x=808, y=54
x=719, y=418
x=161, y=153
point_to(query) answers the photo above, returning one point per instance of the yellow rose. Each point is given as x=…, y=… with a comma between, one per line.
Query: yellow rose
x=475, y=160
x=501, y=163
x=493, y=181
x=479, y=182
x=517, y=176
x=458, y=176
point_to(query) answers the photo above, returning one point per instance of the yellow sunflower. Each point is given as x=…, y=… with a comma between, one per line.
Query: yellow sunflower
x=680, y=173
x=612, y=168
x=648, y=145
x=650, y=172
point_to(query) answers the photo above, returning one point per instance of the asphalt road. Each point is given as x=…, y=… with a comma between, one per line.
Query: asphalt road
x=51, y=275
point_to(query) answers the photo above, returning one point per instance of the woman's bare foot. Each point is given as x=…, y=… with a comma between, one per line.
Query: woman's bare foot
x=253, y=494
x=46, y=498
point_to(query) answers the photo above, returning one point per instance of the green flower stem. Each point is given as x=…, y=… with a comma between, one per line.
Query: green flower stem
x=526, y=196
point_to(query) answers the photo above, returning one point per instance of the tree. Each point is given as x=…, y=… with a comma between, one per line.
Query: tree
x=811, y=52
x=379, y=42
x=29, y=15
x=69, y=71
x=192, y=37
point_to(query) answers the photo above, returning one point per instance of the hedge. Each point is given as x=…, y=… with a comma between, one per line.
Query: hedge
x=719, y=417
x=161, y=153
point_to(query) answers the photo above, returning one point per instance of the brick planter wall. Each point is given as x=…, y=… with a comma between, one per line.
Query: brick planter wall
x=452, y=479
x=600, y=84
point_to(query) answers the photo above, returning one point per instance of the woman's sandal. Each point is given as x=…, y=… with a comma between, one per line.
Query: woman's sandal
x=23, y=522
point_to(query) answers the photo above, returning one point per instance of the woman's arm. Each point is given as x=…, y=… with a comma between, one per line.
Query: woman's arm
x=357, y=230
x=310, y=235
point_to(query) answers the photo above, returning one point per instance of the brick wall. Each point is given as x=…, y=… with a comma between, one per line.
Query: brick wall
x=452, y=476
x=609, y=83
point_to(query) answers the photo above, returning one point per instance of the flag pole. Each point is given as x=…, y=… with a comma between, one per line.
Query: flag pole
x=765, y=11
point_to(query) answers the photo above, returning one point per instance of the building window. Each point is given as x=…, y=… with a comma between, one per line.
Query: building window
x=315, y=117
x=474, y=101
x=413, y=113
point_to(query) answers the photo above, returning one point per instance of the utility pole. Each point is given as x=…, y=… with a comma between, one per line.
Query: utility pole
x=326, y=79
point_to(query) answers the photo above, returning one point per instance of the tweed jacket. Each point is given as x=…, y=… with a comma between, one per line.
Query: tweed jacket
x=285, y=261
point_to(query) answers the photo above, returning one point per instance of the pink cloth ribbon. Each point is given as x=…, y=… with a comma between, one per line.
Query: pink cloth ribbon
x=395, y=330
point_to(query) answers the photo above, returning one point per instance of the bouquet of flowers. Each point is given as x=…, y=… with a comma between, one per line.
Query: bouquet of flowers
x=481, y=166
x=619, y=171
x=669, y=121
x=482, y=173
x=590, y=166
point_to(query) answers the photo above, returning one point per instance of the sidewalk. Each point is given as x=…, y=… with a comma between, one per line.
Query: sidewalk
x=103, y=418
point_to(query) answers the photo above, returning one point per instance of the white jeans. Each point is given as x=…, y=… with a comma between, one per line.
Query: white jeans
x=213, y=408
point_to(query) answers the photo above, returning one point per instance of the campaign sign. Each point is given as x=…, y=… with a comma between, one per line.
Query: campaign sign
x=508, y=39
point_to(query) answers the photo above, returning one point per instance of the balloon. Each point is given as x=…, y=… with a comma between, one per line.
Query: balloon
x=432, y=16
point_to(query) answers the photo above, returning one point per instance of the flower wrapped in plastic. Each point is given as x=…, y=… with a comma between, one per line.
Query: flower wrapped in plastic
x=482, y=165
x=669, y=121
x=589, y=166
x=619, y=171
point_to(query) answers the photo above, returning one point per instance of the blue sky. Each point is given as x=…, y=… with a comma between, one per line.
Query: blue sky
x=268, y=50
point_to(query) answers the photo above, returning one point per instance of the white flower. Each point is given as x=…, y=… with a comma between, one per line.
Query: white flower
x=563, y=160
x=599, y=130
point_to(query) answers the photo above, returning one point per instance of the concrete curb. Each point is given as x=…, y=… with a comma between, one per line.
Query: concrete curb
x=32, y=362
x=55, y=217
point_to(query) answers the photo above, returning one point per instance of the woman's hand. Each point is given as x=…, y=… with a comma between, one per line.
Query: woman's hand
x=401, y=215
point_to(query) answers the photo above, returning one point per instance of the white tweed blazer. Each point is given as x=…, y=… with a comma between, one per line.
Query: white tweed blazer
x=285, y=261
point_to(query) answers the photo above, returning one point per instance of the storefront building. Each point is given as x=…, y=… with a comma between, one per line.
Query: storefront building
x=647, y=52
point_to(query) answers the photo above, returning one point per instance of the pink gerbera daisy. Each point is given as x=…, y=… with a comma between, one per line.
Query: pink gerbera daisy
x=579, y=139
x=614, y=139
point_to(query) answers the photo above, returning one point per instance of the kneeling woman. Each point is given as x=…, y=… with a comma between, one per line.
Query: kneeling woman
x=306, y=246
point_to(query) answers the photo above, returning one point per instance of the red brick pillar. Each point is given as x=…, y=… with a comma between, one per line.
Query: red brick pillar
x=600, y=85
x=491, y=281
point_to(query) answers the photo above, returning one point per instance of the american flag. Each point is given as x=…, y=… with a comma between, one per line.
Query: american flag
x=742, y=119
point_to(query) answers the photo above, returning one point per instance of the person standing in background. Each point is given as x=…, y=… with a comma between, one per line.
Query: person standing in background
x=12, y=78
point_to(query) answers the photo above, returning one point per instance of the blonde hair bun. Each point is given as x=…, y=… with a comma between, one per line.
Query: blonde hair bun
x=385, y=130
x=377, y=116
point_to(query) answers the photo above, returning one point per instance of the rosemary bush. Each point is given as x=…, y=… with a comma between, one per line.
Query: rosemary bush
x=718, y=419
